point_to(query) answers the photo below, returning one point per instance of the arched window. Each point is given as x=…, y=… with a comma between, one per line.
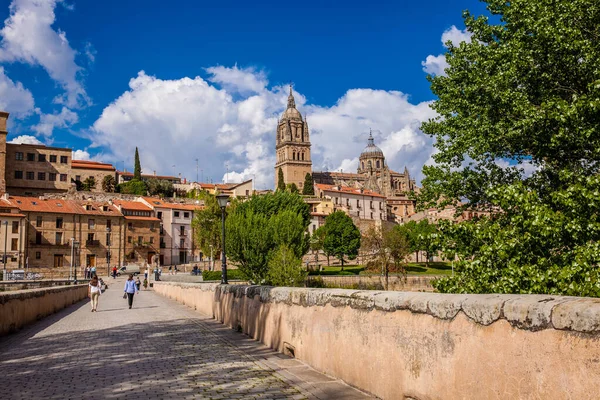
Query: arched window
x=363, y=165
x=294, y=155
x=377, y=163
x=369, y=164
x=302, y=156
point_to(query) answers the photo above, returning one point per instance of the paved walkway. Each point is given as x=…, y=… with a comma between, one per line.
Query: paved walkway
x=157, y=350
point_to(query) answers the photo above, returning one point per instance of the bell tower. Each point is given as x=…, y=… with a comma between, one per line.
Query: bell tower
x=292, y=146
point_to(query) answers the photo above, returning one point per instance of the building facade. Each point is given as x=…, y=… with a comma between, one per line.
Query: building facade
x=292, y=146
x=82, y=170
x=141, y=232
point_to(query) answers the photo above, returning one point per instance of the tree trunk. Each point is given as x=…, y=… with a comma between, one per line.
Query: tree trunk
x=342, y=262
x=417, y=256
x=387, y=275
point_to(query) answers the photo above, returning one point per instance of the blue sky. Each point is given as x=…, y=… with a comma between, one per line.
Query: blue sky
x=214, y=77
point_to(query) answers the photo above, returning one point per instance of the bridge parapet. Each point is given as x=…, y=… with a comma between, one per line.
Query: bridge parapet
x=400, y=345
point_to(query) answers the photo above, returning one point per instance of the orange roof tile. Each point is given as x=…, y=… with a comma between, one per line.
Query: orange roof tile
x=131, y=205
x=83, y=164
x=60, y=206
x=349, y=190
x=142, y=218
x=176, y=206
x=11, y=215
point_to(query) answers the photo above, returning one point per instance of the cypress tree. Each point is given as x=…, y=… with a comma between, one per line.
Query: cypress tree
x=137, y=168
x=308, y=189
x=280, y=181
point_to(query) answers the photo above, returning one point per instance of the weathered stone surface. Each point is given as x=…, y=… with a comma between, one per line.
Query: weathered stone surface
x=582, y=315
x=445, y=306
x=483, y=308
x=531, y=312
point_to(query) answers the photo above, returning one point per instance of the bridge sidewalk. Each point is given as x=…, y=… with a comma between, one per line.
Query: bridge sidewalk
x=157, y=350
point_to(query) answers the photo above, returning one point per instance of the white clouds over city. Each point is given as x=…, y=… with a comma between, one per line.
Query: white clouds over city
x=435, y=65
x=229, y=121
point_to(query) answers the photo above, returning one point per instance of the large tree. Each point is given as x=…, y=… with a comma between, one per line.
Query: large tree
x=89, y=184
x=108, y=184
x=386, y=247
x=207, y=225
x=280, y=180
x=342, y=237
x=308, y=189
x=137, y=167
x=523, y=95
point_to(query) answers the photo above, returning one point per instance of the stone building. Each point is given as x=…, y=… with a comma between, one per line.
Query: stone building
x=233, y=189
x=81, y=170
x=50, y=226
x=141, y=233
x=176, y=231
x=123, y=177
x=373, y=174
x=361, y=203
x=11, y=235
x=292, y=146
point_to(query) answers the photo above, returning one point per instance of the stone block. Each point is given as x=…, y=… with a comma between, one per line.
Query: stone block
x=483, y=308
x=582, y=315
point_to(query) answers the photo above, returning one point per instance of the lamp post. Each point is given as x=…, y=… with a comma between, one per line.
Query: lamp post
x=223, y=199
x=211, y=263
x=108, y=252
x=5, y=223
x=74, y=245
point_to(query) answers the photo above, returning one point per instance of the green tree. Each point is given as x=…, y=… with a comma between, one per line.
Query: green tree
x=89, y=183
x=207, y=225
x=280, y=180
x=292, y=188
x=285, y=268
x=386, y=246
x=525, y=91
x=137, y=168
x=135, y=187
x=309, y=188
x=160, y=187
x=342, y=237
x=316, y=243
x=108, y=184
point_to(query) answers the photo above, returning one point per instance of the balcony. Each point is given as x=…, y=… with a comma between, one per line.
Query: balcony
x=92, y=243
x=163, y=245
x=184, y=233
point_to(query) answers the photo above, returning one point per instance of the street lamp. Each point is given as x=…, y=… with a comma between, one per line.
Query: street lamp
x=223, y=198
x=211, y=263
x=5, y=223
x=108, y=251
x=74, y=245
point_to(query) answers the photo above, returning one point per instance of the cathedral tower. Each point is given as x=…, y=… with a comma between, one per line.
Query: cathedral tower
x=292, y=146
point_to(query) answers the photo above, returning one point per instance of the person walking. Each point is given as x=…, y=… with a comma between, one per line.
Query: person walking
x=114, y=272
x=93, y=271
x=130, y=289
x=87, y=272
x=138, y=283
x=94, y=291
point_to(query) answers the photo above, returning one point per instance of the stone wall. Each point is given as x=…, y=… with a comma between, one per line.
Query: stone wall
x=21, y=307
x=377, y=282
x=399, y=345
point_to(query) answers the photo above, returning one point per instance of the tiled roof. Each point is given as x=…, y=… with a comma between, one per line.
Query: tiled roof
x=154, y=202
x=11, y=215
x=131, y=205
x=348, y=190
x=91, y=165
x=150, y=176
x=136, y=217
x=60, y=206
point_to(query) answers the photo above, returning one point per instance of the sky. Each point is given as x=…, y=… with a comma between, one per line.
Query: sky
x=198, y=86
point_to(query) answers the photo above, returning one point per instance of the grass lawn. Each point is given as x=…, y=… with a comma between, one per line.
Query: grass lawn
x=435, y=268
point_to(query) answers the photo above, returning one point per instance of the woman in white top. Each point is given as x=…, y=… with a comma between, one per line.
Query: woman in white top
x=94, y=291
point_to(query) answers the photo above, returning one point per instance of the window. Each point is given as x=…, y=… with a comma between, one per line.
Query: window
x=176, y=214
x=182, y=230
x=371, y=215
x=129, y=239
x=377, y=163
x=14, y=244
x=181, y=243
x=105, y=208
x=41, y=158
x=30, y=175
x=15, y=227
x=108, y=224
x=130, y=225
x=18, y=174
x=371, y=204
x=186, y=215
x=52, y=176
x=140, y=239
x=38, y=221
x=91, y=223
x=30, y=156
x=19, y=156
x=58, y=260
x=38, y=238
x=58, y=238
x=63, y=177
x=59, y=223
x=41, y=176
x=159, y=214
x=314, y=228
x=77, y=178
x=151, y=239
x=357, y=202
x=90, y=237
x=52, y=157
x=63, y=159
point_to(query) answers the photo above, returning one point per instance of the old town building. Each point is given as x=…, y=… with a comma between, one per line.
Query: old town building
x=11, y=235
x=141, y=233
x=176, y=231
x=292, y=146
x=82, y=170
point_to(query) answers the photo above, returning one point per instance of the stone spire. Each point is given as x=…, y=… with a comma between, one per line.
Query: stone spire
x=291, y=101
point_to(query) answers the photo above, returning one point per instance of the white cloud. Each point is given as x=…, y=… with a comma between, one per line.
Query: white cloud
x=81, y=155
x=236, y=80
x=48, y=122
x=25, y=139
x=28, y=37
x=435, y=65
x=14, y=98
x=177, y=121
x=456, y=36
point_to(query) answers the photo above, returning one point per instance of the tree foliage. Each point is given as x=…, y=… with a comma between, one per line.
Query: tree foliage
x=137, y=168
x=108, y=184
x=257, y=227
x=342, y=237
x=89, y=184
x=160, y=187
x=292, y=188
x=285, y=268
x=207, y=225
x=421, y=237
x=525, y=92
x=280, y=180
x=387, y=247
x=134, y=186
x=308, y=189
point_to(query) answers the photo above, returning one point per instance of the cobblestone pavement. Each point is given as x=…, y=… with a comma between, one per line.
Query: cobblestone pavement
x=157, y=350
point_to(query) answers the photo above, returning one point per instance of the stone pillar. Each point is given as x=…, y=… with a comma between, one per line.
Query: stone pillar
x=3, y=133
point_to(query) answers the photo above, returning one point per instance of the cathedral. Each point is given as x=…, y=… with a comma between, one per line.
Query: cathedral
x=293, y=158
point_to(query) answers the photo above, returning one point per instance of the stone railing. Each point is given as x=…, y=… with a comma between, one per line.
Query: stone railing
x=411, y=283
x=400, y=345
x=21, y=307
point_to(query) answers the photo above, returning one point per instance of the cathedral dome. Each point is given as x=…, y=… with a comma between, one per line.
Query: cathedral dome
x=291, y=112
x=371, y=150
